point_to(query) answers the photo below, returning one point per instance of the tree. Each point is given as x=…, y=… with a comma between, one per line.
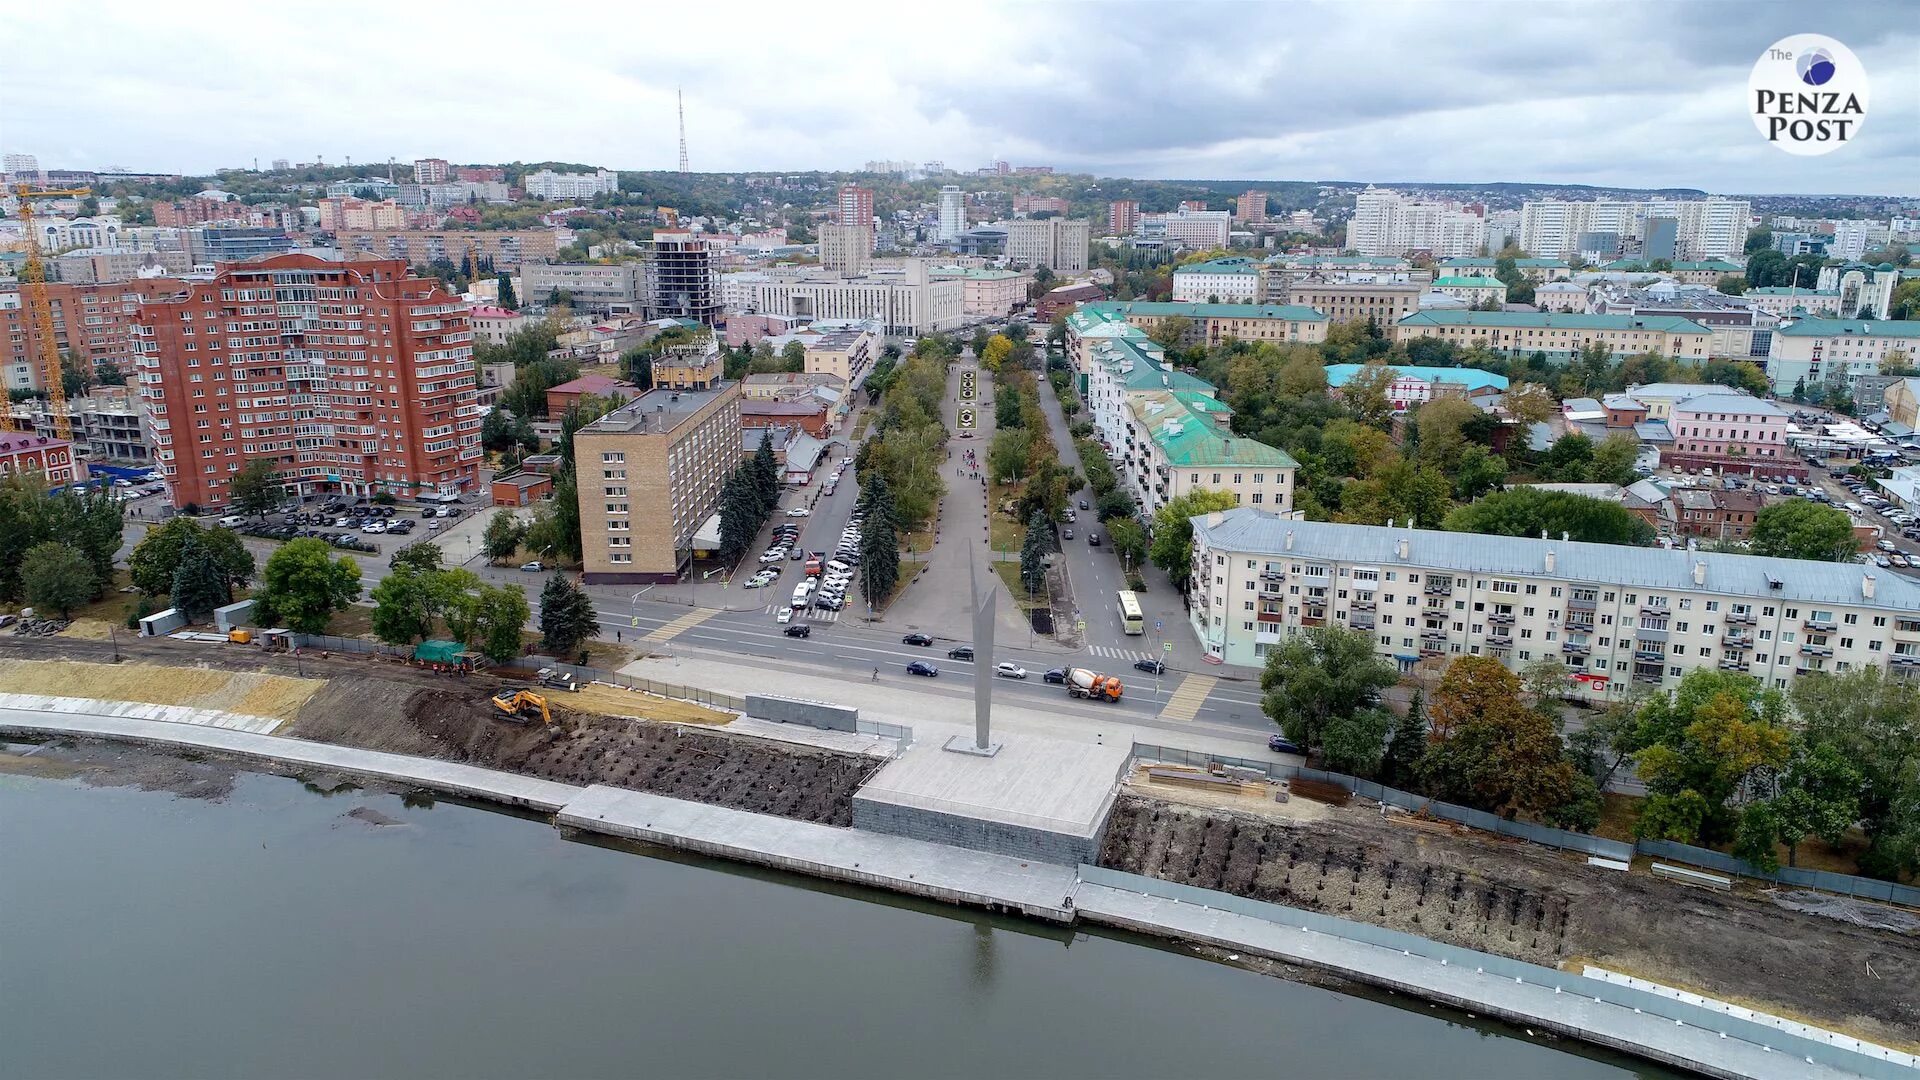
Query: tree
x=1401, y=766
x=998, y=348
x=567, y=617
x=793, y=357
x=1799, y=529
x=502, y=536
x=1034, y=551
x=57, y=576
x=496, y=431
x=1172, y=549
x=1530, y=511
x=1568, y=460
x=879, y=541
x=199, y=583
x=1170, y=331
x=1403, y=492
x=305, y=585
x=1357, y=742
x=555, y=529
x=153, y=560
x=499, y=616
x=1731, y=285
x=1129, y=542
x=1614, y=460
x=406, y=602
x=1529, y=403
x=1873, y=722
x=740, y=513
x=1477, y=472
x=1318, y=676
x=1704, y=743
x=421, y=556
x=1366, y=394
x=766, y=474
x=256, y=488
x=1489, y=748
x=1739, y=374
x=508, y=299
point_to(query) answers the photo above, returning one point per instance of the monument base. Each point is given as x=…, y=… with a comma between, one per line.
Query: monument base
x=960, y=744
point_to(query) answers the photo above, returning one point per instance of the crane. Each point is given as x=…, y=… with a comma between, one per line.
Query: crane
x=33, y=279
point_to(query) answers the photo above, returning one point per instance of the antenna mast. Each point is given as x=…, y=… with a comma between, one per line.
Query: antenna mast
x=680, y=99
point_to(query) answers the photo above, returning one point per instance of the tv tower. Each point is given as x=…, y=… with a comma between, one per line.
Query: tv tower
x=680, y=100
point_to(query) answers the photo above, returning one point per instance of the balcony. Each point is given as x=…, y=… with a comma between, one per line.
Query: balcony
x=1644, y=675
x=1734, y=663
x=1650, y=656
x=1433, y=635
x=1500, y=642
x=1575, y=648
x=1905, y=659
x=1271, y=574
x=1740, y=618
x=1650, y=633
x=1576, y=602
x=1439, y=588
x=1269, y=616
x=1736, y=640
x=1361, y=621
x=1363, y=605
x=1811, y=649
x=1501, y=618
x=1820, y=626
x=1429, y=654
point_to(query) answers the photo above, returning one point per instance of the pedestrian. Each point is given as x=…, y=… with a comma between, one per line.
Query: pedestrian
x=616, y=636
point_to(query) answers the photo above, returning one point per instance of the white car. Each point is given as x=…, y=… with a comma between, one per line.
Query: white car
x=784, y=615
x=773, y=556
x=1007, y=669
x=799, y=511
x=373, y=527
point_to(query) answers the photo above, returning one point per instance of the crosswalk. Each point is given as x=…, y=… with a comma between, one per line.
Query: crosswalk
x=1185, y=702
x=1111, y=653
x=682, y=624
x=810, y=613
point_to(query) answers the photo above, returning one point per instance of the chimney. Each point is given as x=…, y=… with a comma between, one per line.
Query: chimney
x=1693, y=543
x=1566, y=537
x=1543, y=534
x=1405, y=547
x=1700, y=571
x=1289, y=539
x=1866, y=586
x=1550, y=560
x=1215, y=517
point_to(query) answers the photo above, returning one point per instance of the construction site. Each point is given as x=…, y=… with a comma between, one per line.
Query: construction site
x=1477, y=891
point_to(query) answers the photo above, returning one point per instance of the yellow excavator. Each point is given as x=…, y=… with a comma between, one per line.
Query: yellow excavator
x=523, y=707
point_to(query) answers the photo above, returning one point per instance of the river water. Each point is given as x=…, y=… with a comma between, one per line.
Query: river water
x=246, y=925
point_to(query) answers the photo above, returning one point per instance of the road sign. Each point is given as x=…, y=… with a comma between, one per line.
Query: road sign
x=1167, y=648
x=1080, y=626
x=1158, y=626
x=636, y=620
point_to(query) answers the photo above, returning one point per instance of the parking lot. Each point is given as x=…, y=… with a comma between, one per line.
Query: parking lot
x=352, y=525
x=827, y=563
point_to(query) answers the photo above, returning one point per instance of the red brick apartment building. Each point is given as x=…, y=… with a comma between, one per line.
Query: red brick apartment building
x=350, y=377
x=95, y=322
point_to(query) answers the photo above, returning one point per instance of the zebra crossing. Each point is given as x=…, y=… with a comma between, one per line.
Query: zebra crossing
x=810, y=613
x=1111, y=653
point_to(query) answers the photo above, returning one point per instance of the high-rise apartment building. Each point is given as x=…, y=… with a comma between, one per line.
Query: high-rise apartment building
x=953, y=212
x=683, y=278
x=1056, y=243
x=1251, y=207
x=504, y=249
x=547, y=184
x=854, y=206
x=1123, y=216
x=431, y=170
x=846, y=248
x=1854, y=237
x=1388, y=223
x=22, y=168
x=1710, y=228
x=346, y=376
x=92, y=322
x=649, y=476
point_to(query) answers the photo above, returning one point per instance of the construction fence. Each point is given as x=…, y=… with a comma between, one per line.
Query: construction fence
x=1405, y=800
x=1887, y=892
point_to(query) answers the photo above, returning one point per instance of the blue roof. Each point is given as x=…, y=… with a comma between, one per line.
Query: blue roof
x=1472, y=378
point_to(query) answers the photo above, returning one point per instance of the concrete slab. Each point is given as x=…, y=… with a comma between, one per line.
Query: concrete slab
x=888, y=862
x=173, y=714
x=849, y=742
x=1033, y=782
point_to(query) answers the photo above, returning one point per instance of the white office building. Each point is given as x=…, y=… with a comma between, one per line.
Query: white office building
x=1187, y=228
x=1710, y=228
x=908, y=301
x=553, y=186
x=1056, y=243
x=22, y=167
x=1854, y=237
x=953, y=212
x=1622, y=618
x=1387, y=223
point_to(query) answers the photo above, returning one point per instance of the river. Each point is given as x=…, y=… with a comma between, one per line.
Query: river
x=237, y=924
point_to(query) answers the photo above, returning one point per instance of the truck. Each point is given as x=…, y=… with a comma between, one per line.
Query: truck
x=1086, y=683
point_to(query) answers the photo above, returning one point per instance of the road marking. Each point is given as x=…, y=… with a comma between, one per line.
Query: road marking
x=685, y=622
x=1186, y=700
x=1112, y=653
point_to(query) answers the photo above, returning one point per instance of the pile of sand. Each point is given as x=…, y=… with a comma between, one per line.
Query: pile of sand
x=250, y=693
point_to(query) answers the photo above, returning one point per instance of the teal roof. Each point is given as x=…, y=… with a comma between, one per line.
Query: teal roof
x=1469, y=282
x=1229, y=265
x=1189, y=439
x=1483, y=260
x=1337, y=260
x=1902, y=328
x=975, y=275
x=1471, y=378
x=1150, y=374
x=1291, y=312
x=1545, y=320
x=1721, y=265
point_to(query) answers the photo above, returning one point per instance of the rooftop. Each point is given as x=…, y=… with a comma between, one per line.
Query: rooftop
x=1783, y=290
x=1481, y=282
x=1546, y=320
x=1487, y=261
x=1744, y=404
x=1189, y=438
x=13, y=442
x=592, y=384
x=781, y=407
x=1471, y=378
x=1236, y=264
x=1904, y=328
x=1292, y=312
x=1609, y=566
x=656, y=412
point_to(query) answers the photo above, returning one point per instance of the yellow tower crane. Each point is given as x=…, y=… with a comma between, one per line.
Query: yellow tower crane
x=33, y=281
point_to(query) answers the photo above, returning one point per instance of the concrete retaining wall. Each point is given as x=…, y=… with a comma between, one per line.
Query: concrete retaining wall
x=818, y=714
x=999, y=838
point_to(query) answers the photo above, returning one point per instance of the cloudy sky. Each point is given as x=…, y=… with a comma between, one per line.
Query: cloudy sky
x=1620, y=93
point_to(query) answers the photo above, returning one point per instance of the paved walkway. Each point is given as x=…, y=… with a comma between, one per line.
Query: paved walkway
x=140, y=710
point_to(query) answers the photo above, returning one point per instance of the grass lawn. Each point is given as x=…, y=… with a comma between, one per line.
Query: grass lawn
x=356, y=621
x=1618, y=814
x=1004, y=531
x=1009, y=572
x=113, y=605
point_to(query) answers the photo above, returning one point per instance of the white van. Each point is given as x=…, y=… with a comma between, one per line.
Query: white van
x=802, y=593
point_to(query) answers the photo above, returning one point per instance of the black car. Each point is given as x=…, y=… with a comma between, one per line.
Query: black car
x=799, y=630
x=921, y=667
x=961, y=652
x=1151, y=667
x=1083, y=504
x=1057, y=676
x=1280, y=744
x=917, y=639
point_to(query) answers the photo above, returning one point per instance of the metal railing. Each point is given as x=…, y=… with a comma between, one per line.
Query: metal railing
x=1477, y=819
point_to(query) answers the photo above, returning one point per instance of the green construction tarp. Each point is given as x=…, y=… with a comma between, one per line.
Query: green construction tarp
x=439, y=652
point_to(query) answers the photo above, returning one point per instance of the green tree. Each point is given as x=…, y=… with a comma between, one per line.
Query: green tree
x=199, y=582
x=56, y=576
x=766, y=473
x=500, y=615
x=1318, y=676
x=1170, y=331
x=1401, y=767
x=305, y=585
x=1477, y=472
x=1614, y=459
x=1871, y=721
x=567, y=617
x=1356, y=743
x=1490, y=749
x=1365, y=394
x=1568, y=460
x=793, y=357
x=256, y=488
x=1530, y=511
x=406, y=602
x=153, y=560
x=1731, y=285
x=1034, y=551
x=1172, y=548
x=740, y=513
x=1129, y=542
x=555, y=529
x=879, y=541
x=508, y=299
x=1798, y=529
x=421, y=556
x=1704, y=742
x=1403, y=492
x=502, y=536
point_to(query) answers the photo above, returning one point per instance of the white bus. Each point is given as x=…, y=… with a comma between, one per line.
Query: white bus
x=1131, y=620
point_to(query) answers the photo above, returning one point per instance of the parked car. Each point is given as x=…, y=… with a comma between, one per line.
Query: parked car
x=1066, y=534
x=533, y=567
x=961, y=652
x=799, y=511
x=921, y=640
x=1007, y=669
x=1151, y=667
x=921, y=667
x=1056, y=676
x=1280, y=744
x=799, y=630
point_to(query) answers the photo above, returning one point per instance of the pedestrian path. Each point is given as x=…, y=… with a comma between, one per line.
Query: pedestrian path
x=1110, y=653
x=810, y=613
x=1187, y=699
x=682, y=624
